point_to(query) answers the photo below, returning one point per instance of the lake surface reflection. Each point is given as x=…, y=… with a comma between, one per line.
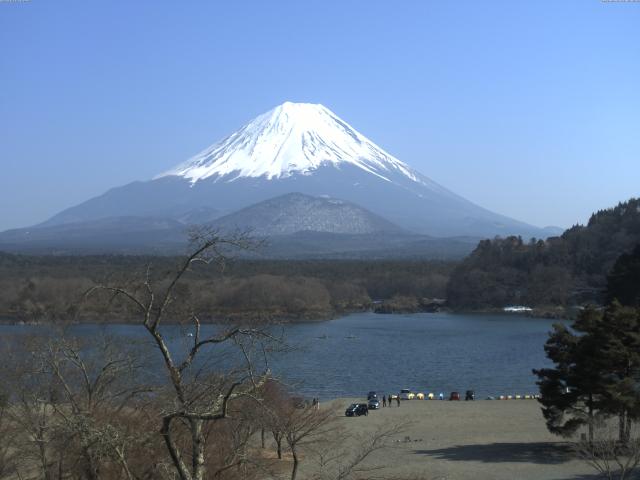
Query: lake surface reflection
x=492, y=354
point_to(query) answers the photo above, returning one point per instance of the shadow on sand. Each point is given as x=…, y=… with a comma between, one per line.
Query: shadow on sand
x=593, y=476
x=537, y=452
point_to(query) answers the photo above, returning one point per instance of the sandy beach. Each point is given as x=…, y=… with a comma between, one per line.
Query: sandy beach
x=482, y=439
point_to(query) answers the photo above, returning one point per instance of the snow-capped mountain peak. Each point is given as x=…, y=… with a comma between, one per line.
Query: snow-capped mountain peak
x=295, y=148
x=292, y=138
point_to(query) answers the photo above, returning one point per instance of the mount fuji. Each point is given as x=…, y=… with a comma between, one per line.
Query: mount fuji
x=293, y=148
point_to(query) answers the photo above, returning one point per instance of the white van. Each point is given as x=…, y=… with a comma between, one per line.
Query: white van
x=406, y=394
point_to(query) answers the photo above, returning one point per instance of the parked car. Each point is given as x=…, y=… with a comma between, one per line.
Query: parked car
x=357, y=409
x=371, y=395
x=405, y=394
x=470, y=395
x=454, y=396
x=373, y=404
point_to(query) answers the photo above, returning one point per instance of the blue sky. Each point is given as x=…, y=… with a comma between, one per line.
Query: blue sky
x=530, y=109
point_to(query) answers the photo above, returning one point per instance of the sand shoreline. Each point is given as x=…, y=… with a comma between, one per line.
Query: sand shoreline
x=481, y=439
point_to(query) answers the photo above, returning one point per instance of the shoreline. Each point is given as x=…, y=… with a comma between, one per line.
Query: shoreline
x=285, y=319
x=475, y=440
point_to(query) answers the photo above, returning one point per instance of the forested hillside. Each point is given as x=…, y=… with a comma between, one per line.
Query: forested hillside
x=560, y=271
x=49, y=288
x=566, y=270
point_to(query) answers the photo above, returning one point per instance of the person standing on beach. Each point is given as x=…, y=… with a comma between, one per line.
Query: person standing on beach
x=398, y=400
x=384, y=401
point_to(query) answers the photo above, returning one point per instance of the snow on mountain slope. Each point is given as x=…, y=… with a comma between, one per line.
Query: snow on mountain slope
x=291, y=138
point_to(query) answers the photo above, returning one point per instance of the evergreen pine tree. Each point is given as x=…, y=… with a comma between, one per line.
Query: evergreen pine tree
x=619, y=359
x=570, y=391
x=623, y=283
x=596, y=372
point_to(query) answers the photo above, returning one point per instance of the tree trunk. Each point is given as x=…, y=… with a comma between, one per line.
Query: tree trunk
x=176, y=458
x=294, y=471
x=590, y=419
x=197, y=438
x=622, y=422
x=42, y=448
x=44, y=463
x=60, y=466
x=278, y=440
x=92, y=471
x=262, y=437
x=123, y=464
x=627, y=433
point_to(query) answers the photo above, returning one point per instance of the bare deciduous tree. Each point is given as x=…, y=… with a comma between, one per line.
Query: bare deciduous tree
x=607, y=455
x=98, y=389
x=299, y=426
x=7, y=433
x=28, y=409
x=336, y=463
x=74, y=407
x=275, y=404
x=196, y=395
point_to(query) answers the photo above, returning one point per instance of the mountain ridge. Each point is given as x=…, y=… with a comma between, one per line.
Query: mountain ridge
x=296, y=212
x=298, y=148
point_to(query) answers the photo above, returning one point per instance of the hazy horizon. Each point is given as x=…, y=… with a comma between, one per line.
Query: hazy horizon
x=529, y=110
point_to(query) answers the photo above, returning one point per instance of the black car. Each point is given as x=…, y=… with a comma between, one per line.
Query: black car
x=357, y=409
x=470, y=395
x=372, y=395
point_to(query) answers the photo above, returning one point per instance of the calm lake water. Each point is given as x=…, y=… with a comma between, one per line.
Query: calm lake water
x=428, y=352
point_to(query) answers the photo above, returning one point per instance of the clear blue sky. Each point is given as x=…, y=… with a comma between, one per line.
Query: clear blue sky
x=531, y=109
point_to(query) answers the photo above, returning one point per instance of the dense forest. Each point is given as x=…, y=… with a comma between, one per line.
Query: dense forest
x=568, y=270
x=49, y=288
x=557, y=272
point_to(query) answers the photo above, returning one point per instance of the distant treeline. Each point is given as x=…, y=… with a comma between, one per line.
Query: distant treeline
x=561, y=271
x=49, y=288
x=566, y=270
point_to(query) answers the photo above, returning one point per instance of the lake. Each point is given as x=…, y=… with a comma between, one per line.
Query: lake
x=492, y=354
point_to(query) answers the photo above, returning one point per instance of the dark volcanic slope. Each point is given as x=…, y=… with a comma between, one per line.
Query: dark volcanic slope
x=296, y=212
x=294, y=225
x=113, y=234
x=435, y=212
